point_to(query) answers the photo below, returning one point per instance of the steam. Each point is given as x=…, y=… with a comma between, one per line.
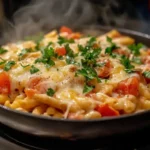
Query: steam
x=44, y=15
x=48, y=14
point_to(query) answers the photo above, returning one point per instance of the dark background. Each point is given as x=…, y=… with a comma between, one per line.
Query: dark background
x=137, y=12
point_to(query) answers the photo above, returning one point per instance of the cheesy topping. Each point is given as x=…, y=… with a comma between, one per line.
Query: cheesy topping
x=74, y=76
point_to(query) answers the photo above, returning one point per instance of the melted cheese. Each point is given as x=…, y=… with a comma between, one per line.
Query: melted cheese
x=61, y=77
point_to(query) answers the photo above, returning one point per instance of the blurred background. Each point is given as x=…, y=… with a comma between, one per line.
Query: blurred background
x=26, y=16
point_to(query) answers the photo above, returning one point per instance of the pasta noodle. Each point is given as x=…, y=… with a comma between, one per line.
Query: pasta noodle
x=73, y=76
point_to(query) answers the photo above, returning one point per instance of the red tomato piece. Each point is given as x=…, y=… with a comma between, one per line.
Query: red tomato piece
x=4, y=83
x=75, y=35
x=33, y=81
x=105, y=70
x=129, y=86
x=30, y=92
x=65, y=29
x=106, y=110
x=121, y=52
x=148, y=51
x=61, y=51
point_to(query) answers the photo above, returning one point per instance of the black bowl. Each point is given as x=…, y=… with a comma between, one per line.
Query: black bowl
x=43, y=126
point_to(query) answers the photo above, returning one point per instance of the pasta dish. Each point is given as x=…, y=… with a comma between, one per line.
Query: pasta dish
x=70, y=75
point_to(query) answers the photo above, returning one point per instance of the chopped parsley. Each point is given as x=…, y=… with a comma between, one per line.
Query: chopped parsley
x=24, y=66
x=136, y=60
x=40, y=60
x=8, y=65
x=91, y=41
x=83, y=50
x=135, y=48
x=127, y=64
x=101, y=64
x=33, y=69
x=47, y=54
x=147, y=74
x=2, y=61
x=2, y=50
x=62, y=40
x=90, y=54
x=88, y=62
x=109, y=50
x=70, y=55
x=88, y=73
x=23, y=53
x=50, y=92
x=87, y=89
x=70, y=52
x=109, y=39
x=49, y=63
x=106, y=80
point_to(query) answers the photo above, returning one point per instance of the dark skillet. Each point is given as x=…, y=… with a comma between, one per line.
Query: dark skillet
x=84, y=129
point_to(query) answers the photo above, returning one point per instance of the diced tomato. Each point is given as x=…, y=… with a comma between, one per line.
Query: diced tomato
x=104, y=71
x=75, y=35
x=4, y=83
x=129, y=86
x=61, y=51
x=106, y=110
x=146, y=60
x=30, y=92
x=65, y=29
x=33, y=81
x=148, y=51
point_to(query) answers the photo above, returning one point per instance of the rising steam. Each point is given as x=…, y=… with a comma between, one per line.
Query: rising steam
x=44, y=15
x=47, y=14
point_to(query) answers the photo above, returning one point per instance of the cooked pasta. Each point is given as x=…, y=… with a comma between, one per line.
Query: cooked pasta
x=73, y=76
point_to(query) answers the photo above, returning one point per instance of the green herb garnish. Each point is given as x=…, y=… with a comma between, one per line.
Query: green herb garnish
x=109, y=50
x=8, y=65
x=70, y=55
x=88, y=73
x=62, y=40
x=2, y=61
x=50, y=92
x=135, y=48
x=40, y=60
x=127, y=64
x=47, y=54
x=146, y=74
x=89, y=54
x=23, y=53
x=136, y=60
x=109, y=39
x=101, y=64
x=24, y=66
x=50, y=63
x=33, y=69
x=87, y=89
x=91, y=41
x=2, y=50
x=83, y=50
